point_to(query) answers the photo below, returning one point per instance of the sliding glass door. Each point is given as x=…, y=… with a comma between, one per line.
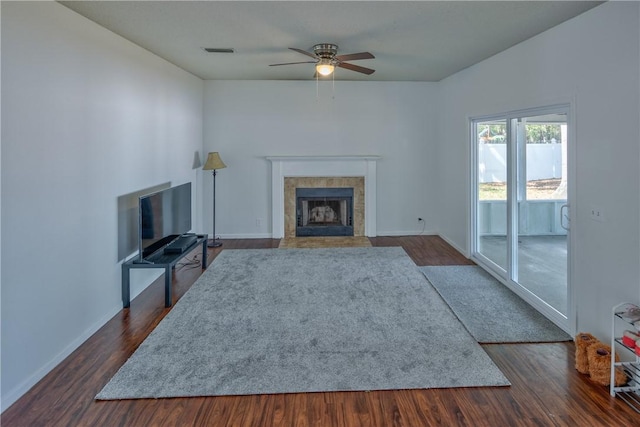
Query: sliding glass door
x=491, y=138
x=521, y=212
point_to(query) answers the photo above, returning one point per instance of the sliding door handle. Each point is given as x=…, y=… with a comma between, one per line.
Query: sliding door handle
x=564, y=216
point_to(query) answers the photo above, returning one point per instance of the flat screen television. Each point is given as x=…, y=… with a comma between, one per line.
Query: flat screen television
x=163, y=217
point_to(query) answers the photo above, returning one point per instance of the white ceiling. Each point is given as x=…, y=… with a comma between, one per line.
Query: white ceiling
x=411, y=40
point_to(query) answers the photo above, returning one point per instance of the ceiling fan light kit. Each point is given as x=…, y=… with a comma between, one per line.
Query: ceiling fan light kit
x=326, y=58
x=324, y=67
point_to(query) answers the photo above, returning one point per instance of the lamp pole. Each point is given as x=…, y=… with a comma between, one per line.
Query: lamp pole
x=213, y=243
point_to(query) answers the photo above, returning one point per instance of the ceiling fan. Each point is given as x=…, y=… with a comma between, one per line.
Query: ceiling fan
x=326, y=58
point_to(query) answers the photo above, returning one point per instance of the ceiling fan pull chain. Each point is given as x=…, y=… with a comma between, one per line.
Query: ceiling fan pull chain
x=333, y=85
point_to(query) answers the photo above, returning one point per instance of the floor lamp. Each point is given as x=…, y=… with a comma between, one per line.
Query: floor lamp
x=213, y=163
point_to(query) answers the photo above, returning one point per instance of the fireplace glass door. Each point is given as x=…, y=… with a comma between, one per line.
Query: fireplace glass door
x=324, y=212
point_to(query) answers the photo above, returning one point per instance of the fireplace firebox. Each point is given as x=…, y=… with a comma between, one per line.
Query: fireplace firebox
x=324, y=212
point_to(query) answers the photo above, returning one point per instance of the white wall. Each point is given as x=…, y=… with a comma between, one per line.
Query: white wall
x=87, y=117
x=248, y=120
x=593, y=62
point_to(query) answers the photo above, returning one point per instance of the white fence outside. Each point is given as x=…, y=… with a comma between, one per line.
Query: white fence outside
x=536, y=217
x=544, y=161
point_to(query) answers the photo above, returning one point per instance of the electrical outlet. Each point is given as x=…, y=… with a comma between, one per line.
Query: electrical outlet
x=596, y=214
x=258, y=222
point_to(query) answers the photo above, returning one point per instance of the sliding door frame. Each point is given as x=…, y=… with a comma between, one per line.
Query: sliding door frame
x=568, y=322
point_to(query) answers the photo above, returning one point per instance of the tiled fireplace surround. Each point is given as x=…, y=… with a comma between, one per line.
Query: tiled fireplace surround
x=291, y=172
x=291, y=183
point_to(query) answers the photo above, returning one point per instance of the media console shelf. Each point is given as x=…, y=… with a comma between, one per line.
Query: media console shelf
x=160, y=260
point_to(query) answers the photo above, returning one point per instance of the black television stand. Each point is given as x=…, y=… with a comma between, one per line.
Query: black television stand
x=164, y=260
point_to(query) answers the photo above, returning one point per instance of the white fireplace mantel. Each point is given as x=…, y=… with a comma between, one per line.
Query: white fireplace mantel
x=322, y=166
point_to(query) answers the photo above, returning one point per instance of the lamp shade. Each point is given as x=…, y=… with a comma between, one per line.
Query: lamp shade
x=213, y=162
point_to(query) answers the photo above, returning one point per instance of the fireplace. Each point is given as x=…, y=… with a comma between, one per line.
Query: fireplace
x=291, y=172
x=324, y=212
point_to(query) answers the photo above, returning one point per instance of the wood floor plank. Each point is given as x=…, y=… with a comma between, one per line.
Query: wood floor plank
x=546, y=390
x=424, y=250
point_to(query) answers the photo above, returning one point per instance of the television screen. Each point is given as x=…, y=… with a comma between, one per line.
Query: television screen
x=164, y=216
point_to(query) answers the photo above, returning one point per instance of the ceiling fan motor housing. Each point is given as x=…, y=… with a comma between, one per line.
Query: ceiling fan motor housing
x=325, y=50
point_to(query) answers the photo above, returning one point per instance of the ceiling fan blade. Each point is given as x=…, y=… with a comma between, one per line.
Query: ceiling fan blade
x=291, y=63
x=355, y=56
x=304, y=52
x=357, y=68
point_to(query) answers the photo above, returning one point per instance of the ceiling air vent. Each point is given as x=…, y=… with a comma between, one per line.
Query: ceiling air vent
x=219, y=49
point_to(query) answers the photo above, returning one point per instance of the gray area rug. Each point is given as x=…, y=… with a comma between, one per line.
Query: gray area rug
x=305, y=320
x=489, y=310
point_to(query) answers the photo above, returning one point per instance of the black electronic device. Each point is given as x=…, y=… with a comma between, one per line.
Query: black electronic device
x=164, y=216
x=180, y=245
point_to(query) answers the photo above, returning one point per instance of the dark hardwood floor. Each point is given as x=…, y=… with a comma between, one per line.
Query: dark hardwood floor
x=546, y=389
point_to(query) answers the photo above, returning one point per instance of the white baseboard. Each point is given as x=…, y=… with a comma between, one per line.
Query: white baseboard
x=246, y=236
x=407, y=233
x=17, y=392
x=455, y=246
x=379, y=233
